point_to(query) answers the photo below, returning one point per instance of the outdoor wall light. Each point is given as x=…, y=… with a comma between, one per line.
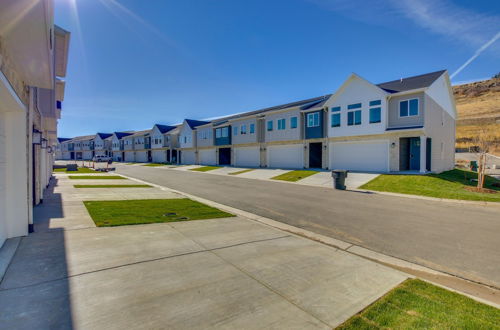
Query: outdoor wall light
x=44, y=143
x=37, y=136
x=393, y=145
x=49, y=149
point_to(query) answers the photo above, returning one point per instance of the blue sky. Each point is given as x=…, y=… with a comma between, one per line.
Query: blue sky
x=134, y=63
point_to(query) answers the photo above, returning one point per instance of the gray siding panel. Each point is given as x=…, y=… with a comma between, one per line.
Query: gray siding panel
x=396, y=121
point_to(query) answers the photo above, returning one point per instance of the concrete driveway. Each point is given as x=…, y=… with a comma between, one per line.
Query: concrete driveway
x=221, y=273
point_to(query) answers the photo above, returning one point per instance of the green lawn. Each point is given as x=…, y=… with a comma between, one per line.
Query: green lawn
x=293, y=176
x=416, y=304
x=80, y=170
x=240, y=172
x=205, y=168
x=450, y=184
x=133, y=212
x=155, y=164
x=112, y=186
x=96, y=177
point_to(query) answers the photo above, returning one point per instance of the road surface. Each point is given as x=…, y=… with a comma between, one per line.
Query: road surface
x=460, y=239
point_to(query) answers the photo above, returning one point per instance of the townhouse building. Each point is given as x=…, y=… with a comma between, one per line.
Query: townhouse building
x=101, y=144
x=161, y=143
x=59, y=148
x=396, y=126
x=33, y=60
x=117, y=146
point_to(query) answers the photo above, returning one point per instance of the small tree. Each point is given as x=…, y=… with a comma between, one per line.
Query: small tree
x=485, y=141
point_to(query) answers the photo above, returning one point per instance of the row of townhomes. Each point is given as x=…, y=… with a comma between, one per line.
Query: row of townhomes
x=33, y=59
x=402, y=125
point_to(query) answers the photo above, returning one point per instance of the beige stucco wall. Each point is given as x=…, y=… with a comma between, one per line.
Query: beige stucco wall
x=440, y=126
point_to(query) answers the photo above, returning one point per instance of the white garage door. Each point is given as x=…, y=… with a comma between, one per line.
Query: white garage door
x=87, y=155
x=207, y=157
x=129, y=156
x=286, y=156
x=248, y=156
x=188, y=157
x=159, y=156
x=141, y=156
x=362, y=156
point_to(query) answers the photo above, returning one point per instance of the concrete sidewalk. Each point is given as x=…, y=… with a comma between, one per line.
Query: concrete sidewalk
x=221, y=273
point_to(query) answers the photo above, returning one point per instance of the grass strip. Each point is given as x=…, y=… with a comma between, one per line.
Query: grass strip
x=241, y=172
x=416, y=304
x=294, y=176
x=79, y=170
x=133, y=212
x=96, y=177
x=112, y=186
x=205, y=168
x=155, y=164
x=450, y=184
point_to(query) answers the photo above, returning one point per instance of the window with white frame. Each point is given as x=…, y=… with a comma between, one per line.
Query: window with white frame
x=252, y=128
x=354, y=117
x=293, y=122
x=313, y=119
x=408, y=108
x=243, y=129
x=335, y=118
x=270, y=125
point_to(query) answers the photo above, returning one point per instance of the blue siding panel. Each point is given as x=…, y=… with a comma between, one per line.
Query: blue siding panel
x=314, y=132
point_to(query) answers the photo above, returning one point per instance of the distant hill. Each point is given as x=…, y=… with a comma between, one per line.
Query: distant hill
x=478, y=104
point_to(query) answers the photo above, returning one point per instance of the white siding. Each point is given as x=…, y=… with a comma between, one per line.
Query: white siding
x=371, y=156
x=207, y=157
x=247, y=156
x=87, y=155
x=186, y=137
x=357, y=90
x=285, y=156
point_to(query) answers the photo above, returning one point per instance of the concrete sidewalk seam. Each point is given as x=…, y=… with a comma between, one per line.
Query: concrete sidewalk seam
x=144, y=261
x=336, y=243
x=8, y=254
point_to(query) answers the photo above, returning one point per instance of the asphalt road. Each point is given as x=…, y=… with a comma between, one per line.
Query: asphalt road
x=455, y=238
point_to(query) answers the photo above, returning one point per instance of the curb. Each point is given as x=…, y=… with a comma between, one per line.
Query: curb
x=387, y=260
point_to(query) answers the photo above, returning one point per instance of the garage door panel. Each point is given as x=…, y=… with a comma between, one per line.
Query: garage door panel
x=159, y=156
x=247, y=156
x=207, y=157
x=291, y=156
x=188, y=157
x=364, y=156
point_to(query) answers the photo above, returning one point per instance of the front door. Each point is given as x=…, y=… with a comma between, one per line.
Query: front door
x=150, y=158
x=315, y=155
x=225, y=156
x=415, y=154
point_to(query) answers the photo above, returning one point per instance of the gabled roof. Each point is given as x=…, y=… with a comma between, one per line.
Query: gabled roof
x=104, y=135
x=63, y=139
x=83, y=137
x=415, y=82
x=120, y=135
x=195, y=123
x=164, y=128
x=139, y=133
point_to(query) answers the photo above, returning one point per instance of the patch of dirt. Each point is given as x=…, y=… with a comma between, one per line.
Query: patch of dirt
x=481, y=190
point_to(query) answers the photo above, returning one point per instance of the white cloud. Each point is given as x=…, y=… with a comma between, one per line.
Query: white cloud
x=440, y=17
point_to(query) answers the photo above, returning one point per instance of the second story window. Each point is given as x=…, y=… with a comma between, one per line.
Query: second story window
x=243, y=129
x=270, y=125
x=293, y=122
x=313, y=119
x=252, y=128
x=408, y=108
x=375, y=115
x=185, y=139
x=354, y=118
x=281, y=124
x=335, y=117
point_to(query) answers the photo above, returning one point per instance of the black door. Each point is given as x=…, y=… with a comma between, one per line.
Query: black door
x=225, y=156
x=404, y=154
x=315, y=155
x=168, y=156
x=174, y=156
x=150, y=158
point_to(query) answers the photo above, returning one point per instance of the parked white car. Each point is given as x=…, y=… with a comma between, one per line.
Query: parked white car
x=99, y=159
